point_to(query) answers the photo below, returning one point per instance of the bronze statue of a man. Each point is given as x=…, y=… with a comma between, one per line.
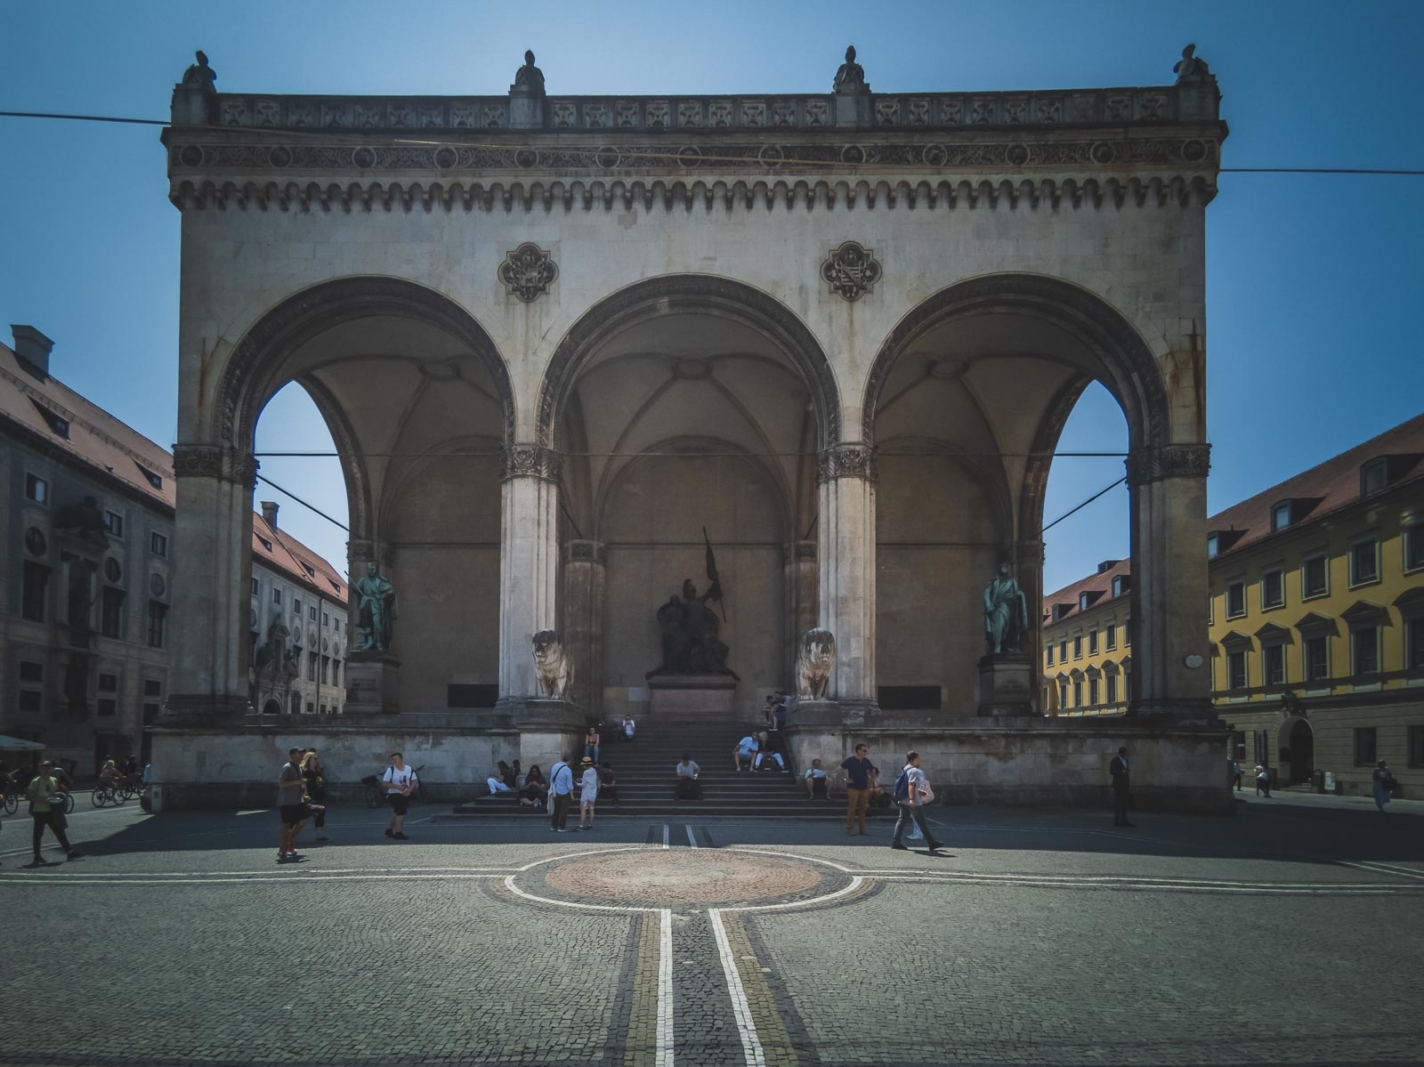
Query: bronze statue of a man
x=375, y=610
x=1005, y=613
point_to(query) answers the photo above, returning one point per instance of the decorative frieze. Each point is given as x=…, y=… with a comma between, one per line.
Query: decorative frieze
x=851, y=271
x=1168, y=461
x=847, y=461
x=530, y=461
x=528, y=272
x=215, y=461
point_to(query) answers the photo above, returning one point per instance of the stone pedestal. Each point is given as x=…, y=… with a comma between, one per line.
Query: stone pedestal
x=1006, y=685
x=693, y=698
x=373, y=683
x=547, y=728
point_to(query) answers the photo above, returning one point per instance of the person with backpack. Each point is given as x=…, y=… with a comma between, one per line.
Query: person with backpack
x=912, y=793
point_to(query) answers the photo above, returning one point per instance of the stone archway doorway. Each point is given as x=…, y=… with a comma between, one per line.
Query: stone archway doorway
x=1296, y=750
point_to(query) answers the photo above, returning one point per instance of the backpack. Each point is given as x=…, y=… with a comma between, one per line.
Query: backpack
x=902, y=786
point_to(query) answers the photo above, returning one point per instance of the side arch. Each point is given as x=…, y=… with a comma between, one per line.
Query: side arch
x=690, y=292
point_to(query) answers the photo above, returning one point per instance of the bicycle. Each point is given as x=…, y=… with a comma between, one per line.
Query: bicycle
x=107, y=793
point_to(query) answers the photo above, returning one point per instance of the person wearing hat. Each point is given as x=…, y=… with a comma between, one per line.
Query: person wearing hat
x=588, y=793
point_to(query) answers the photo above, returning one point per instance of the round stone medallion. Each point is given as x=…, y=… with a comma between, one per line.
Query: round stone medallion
x=684, y=877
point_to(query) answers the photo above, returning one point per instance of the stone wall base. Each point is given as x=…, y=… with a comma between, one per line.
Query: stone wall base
x=692, y=698
x=1037, y=762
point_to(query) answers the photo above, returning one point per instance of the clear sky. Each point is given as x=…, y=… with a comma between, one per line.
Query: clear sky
x=1310, y=279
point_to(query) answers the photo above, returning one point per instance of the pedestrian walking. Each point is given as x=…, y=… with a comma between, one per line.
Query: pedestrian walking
x=1236, y=773
x=47, y=812
x=1383, y=785
x=860, y=780
x=561, y=788
x=1263, y=781
x=588, y=794
x=401, y=781
x=912, y=793
x=291, y=808
x=1121, y=786
x=315, y=782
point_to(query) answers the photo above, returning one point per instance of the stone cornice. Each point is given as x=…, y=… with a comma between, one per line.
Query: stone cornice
x=530, y=461
x=847, y=461
x=215, y=461
x=1125, y=106
x=1168, y=461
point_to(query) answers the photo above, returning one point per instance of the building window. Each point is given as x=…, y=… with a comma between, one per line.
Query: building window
x=325, y=669
x=1280, y=516
x=1093, y=643
x=34, y=586
x=1414, y=547
x=1314, y=576
x=158, y=544
x=1238, y=745
x=1364, y=644
x=1077, y=646
x=1273, y=588
x=1373, y=476
x=1112, y=636
x=276, y=595
x=1083, y=602
x=311, y=666
x=1093, y=691
x=1235, y=599
x=1416, y=746
x=1077, y=694
x=111, y=615
x=1317, y=659
x=1365, y=746
x=1414, y=644
x=335, y=674
x=1063, y=651
x=1236, y=670
x=1121, y=583
x=1127, y=632
x=36, y=489
x=1364, y=561
x=254, y=587
x=1273, y=659
x=311, y=708
x=1049, y=652
x=58, y=424
x=313, y=613
x=157, y=616
x=1112, y=689
x=325, y=619
x=336, y=624
x=114, y=523
x=1213, y=545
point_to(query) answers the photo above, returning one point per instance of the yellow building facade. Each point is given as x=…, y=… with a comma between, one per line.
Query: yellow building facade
x=1315, y=616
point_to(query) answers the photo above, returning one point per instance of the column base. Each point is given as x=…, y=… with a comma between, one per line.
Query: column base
x=547, y=729
x=1006, y=685
x=1186, y=711
x=203, y=708
x=373, y=683
x=692, y=698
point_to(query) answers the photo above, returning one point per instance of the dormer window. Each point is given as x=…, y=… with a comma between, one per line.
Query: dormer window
x=1213, y=545
x=1083, y=601
x=1374, y=476
x=1280, y=516
x=1121, y=583
x=58, y=425
x=154, y=480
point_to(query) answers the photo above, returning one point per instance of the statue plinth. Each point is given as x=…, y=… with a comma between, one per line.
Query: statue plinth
x=692, y=697
x=373, y=683
x=1006, y=684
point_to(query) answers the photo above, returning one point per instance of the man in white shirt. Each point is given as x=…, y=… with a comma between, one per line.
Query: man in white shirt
x=629, y=725
x=687, y=787
x=816, y=782
x=400, y=782
x=911, y=788
x=561, y=788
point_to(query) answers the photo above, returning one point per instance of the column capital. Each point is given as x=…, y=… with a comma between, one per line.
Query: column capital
x=852, y=460
x=216, y=461
x=530, y=461
x=364, y=550
x=1028, y=552
x=586, y=552
x=1160, y=462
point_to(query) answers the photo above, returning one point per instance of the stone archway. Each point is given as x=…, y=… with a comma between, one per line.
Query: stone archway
x=1295, y=750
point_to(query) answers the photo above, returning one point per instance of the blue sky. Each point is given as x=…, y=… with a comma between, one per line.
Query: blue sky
x=1311, y=343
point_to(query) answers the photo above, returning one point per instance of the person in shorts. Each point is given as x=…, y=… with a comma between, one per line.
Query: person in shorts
x=588, y=794
x=400, y=782
x=290, y=806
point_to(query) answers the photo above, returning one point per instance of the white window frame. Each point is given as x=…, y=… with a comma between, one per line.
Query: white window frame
x=1245, y=671
x=43, y=499
x=114, y=524
x=1355, y=671
x=1266, y=652
x=1324, y=557
x=1355, y=542
x=1110, y=637
x=1276, y=525
x=1412, y=536
x=1305, y=659
x=1280, y=573
x=1244, y=610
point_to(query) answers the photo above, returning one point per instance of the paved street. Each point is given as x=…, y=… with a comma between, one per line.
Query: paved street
x=1291, y=934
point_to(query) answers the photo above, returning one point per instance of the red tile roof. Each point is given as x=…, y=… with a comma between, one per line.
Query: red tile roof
x=103, y=441
x=1100, y=582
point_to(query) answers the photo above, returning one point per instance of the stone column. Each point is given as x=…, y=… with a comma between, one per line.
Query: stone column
x=1028, y=569
x=801, y=588
x=1170, y=653
x=585, y=571
x=528, y=563
x=212, y=575
x=846, y=553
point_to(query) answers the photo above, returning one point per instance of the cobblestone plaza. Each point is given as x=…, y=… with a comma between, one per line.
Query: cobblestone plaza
x=1288, y=935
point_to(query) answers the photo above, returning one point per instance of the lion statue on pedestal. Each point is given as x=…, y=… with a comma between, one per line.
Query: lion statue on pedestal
x=814, y=663
x=554, y=670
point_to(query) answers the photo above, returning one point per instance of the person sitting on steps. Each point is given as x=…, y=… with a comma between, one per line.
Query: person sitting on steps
x=687, y=784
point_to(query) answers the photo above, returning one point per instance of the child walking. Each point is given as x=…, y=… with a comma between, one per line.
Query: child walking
x=588, y=793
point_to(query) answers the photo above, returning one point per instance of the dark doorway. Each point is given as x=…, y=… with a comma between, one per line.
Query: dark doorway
x=1302, y=749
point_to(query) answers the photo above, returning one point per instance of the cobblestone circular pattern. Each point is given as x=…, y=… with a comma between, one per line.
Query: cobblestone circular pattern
x=687, y=877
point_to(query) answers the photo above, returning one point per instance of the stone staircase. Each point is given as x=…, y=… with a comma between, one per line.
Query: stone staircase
x=646, y=780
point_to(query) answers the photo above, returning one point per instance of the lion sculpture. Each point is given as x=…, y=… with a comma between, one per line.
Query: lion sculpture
x=814, y=663
x=555, y=671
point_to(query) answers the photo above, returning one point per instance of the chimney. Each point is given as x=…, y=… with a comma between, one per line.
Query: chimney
x=33, y=348
x=269, y=513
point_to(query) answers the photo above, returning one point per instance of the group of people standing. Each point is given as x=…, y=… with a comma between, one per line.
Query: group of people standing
x=301, y=797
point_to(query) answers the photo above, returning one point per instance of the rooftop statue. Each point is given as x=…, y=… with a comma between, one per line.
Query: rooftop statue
x=1190, y=65
x=200, y=75
x=528, y=78
x=850, y=78
x=1005, y=613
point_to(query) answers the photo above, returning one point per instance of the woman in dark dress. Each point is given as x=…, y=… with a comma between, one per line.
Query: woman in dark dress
x=535, y=789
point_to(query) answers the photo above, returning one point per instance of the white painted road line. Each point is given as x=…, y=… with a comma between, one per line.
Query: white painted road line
x=691, y=837
x=741, y=1010
x=665, y=1035
x=1379, y=867
x=665, y=836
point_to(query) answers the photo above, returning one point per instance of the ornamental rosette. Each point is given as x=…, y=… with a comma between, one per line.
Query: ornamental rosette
x=528, y=272
x=851, y=271
x=847, y=461
x=530, y=461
